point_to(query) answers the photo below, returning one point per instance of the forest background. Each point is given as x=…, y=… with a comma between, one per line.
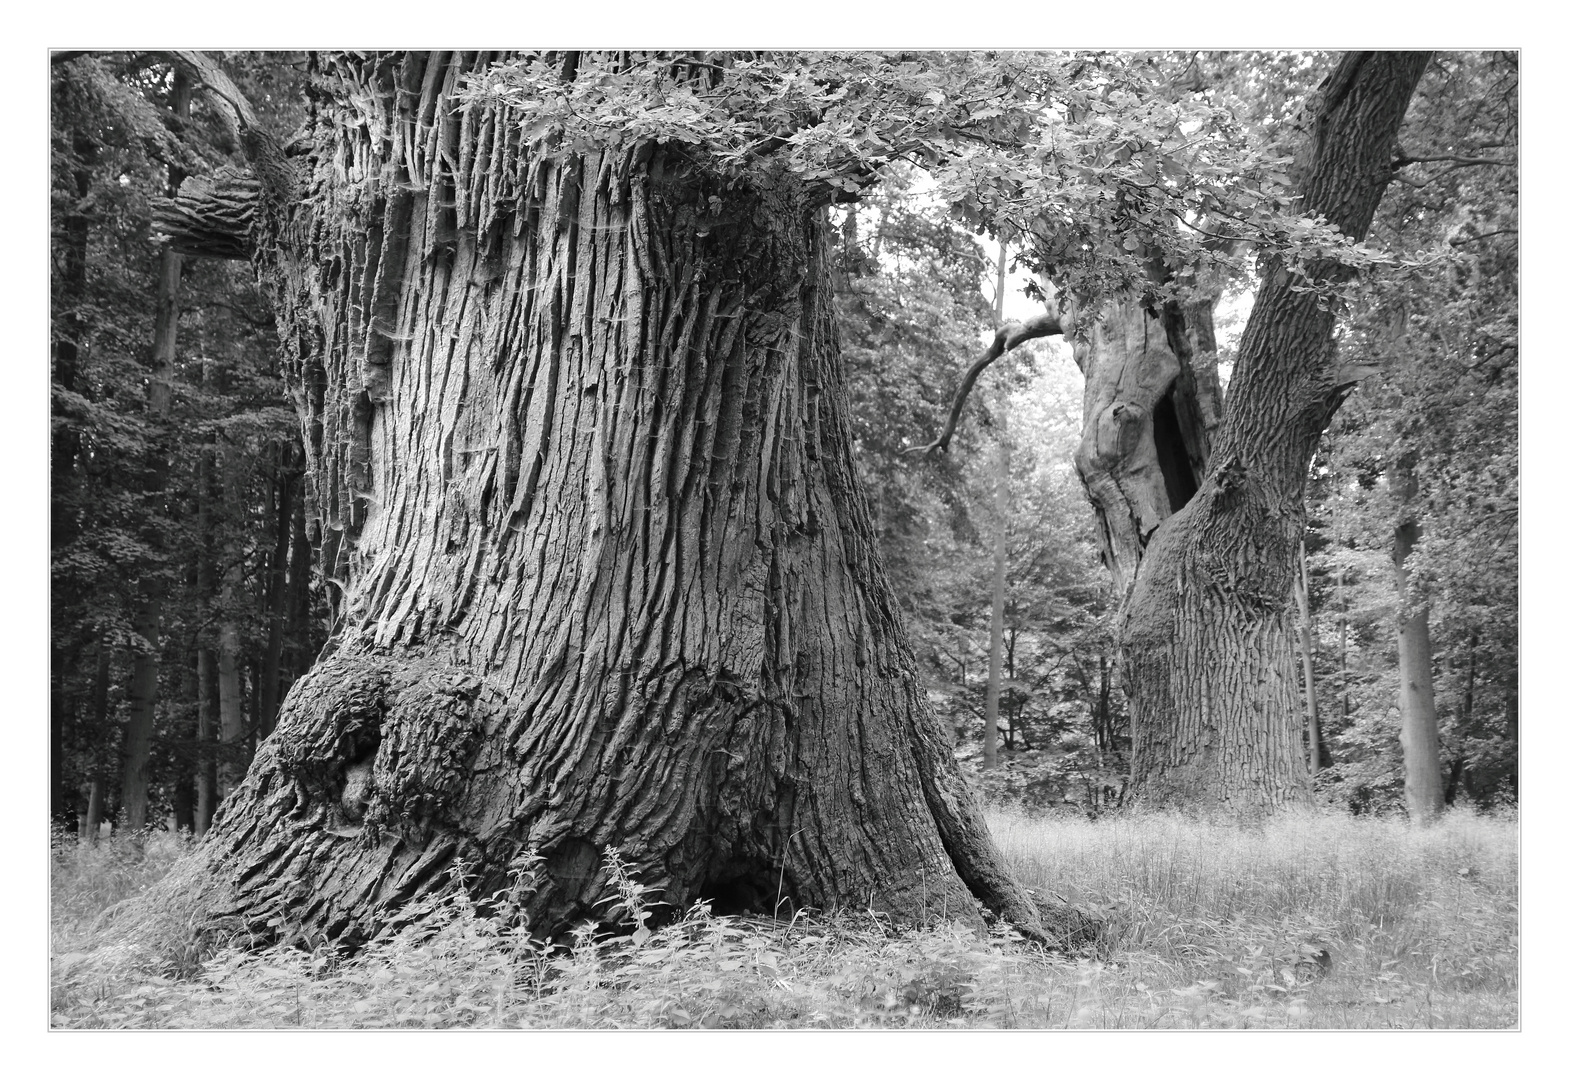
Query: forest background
x=188, y=594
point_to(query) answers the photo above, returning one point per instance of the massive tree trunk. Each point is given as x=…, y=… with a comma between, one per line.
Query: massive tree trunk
x=580, y=465
x=1207, y=635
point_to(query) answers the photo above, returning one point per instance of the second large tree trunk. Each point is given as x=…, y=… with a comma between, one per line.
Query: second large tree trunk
x=1208, y=627
x=581, y=465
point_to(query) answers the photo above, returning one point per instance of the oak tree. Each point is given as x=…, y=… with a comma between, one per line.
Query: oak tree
x=559, y=332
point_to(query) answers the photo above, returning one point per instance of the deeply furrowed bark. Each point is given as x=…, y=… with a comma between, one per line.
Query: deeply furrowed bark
x=1207, y=633
x=580, y=464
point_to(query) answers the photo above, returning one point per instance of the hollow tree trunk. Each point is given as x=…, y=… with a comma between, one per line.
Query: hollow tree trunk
x=1207, y=632
x=1152, y=404
x=579, y=458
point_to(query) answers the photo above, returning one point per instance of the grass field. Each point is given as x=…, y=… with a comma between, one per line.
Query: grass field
x=1310, y=921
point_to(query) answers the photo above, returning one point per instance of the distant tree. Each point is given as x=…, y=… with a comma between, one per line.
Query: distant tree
x=1206, y=629
x=1208, y=638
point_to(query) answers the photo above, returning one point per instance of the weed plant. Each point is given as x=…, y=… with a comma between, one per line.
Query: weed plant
x=1318, y=920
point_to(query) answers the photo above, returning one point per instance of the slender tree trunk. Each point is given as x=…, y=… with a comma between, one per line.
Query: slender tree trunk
x=1512, y=726
x=99, y=721
x=270, y=673
x=231, y=701
x=206, y=737
x=147, y=617
x=999, y=546
x=1345, y=654
x=184, y=805
x=206, y=774
x=1305, y=632
x=303, y=633
x=184, y=788
x=581, y=466
x=1418, y=712
x=1468, y=702
x=999, y=601
x=64, y=451
x=142, y=712
x=92, y=823
x=1103, y=706
x=61, y=728
x=1207, y=634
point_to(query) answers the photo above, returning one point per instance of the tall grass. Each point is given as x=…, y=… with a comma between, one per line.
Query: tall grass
x=1420, y=924
x=1318, y=920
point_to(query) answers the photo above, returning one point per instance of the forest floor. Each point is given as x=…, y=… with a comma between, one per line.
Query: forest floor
x=1311, y=921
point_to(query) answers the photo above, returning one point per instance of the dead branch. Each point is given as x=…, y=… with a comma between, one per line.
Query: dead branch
x=1009, y=336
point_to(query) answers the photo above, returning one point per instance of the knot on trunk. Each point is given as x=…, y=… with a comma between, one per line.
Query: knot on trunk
x=332, y=718
x=378, y=743
x=429, y=733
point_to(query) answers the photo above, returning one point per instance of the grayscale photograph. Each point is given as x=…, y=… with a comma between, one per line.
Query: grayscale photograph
x=783, y=539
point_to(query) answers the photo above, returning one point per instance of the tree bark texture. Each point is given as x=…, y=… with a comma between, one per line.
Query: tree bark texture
x=579, y=462
x=1207, y=629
